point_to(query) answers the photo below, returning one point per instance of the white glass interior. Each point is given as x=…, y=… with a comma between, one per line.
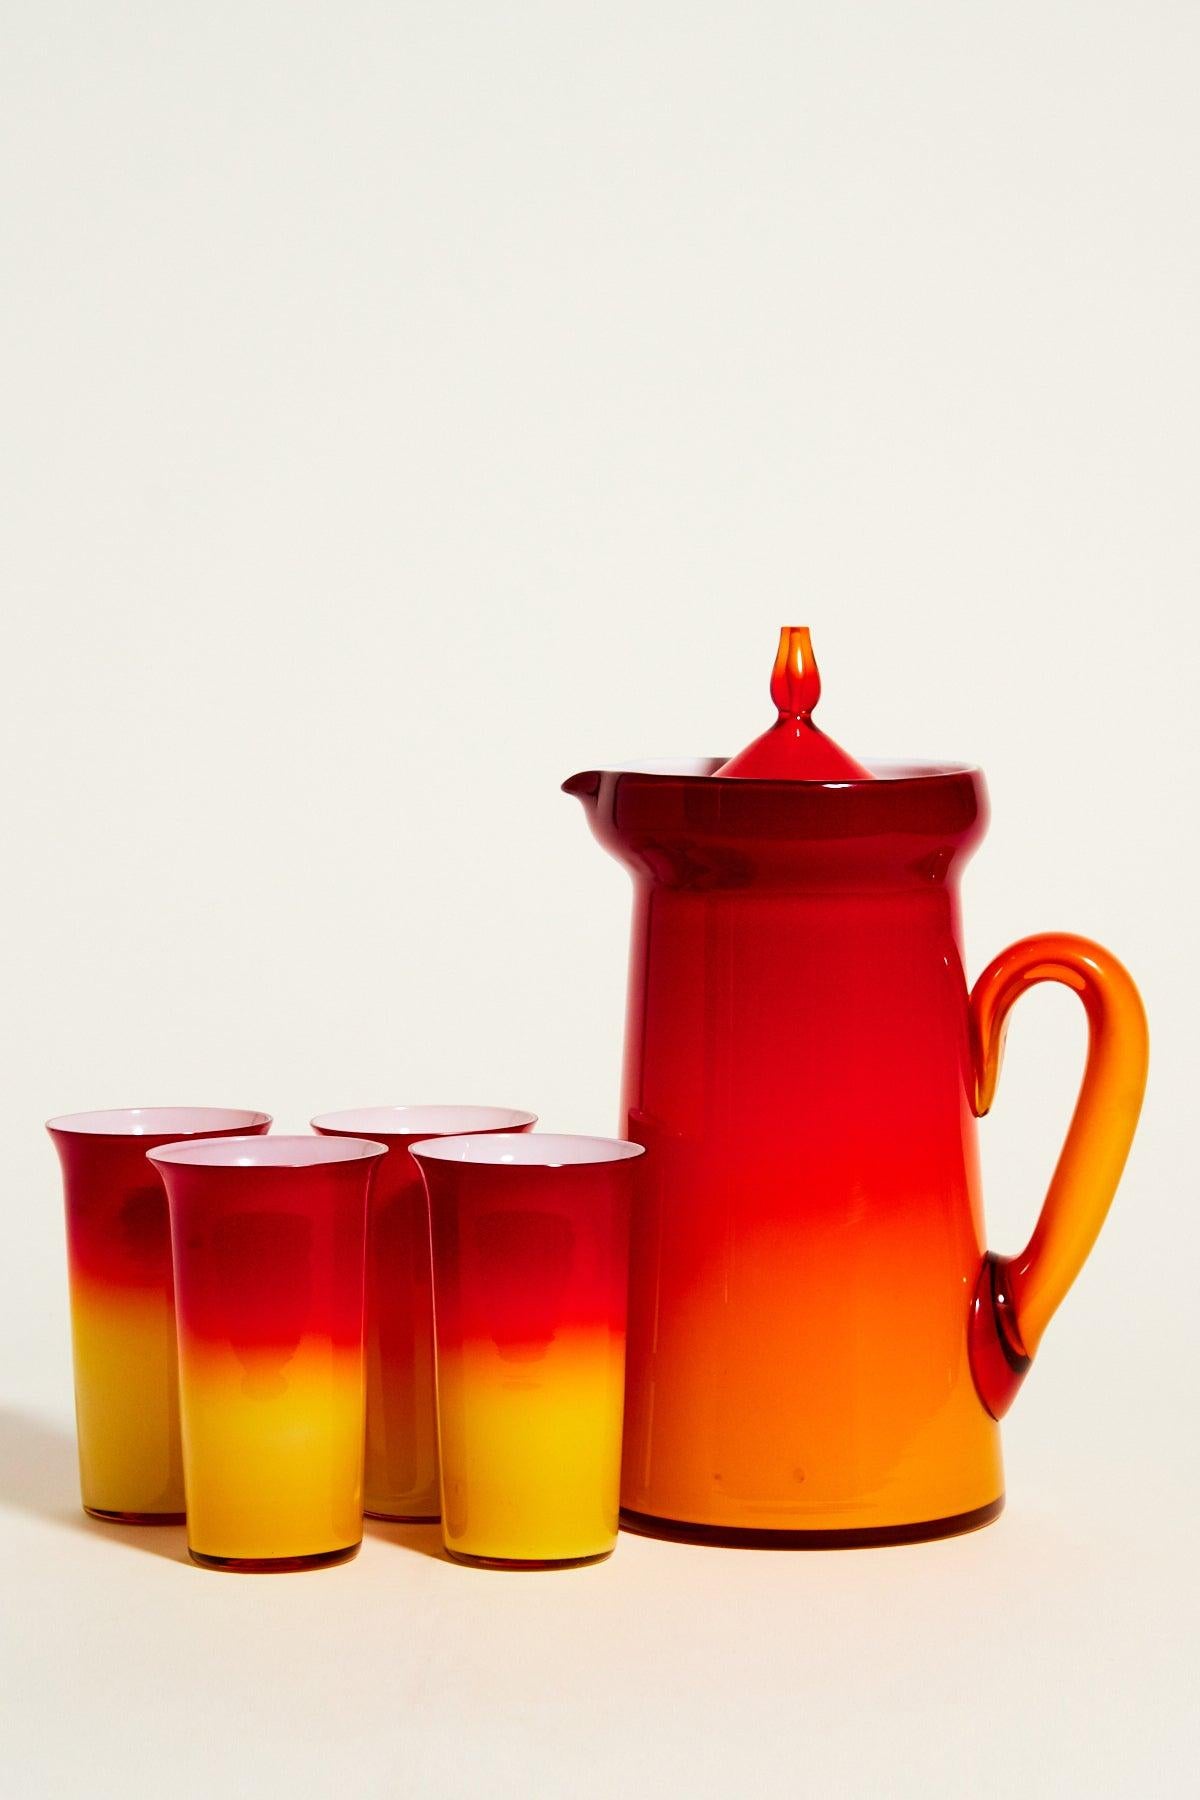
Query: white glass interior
x=887, y=768
x=882, y=768
x=540, y=1149
x=159, y=1121
x=423, y=1121
x=266, y=1152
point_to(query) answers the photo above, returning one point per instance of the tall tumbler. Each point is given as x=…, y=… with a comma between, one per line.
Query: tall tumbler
x=530, y=1260
x=401, y=1474
x=267, y=1236
x=122, y=1307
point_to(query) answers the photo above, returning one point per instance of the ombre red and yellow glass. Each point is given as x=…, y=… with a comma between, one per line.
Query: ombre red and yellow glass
x=530, y=1260
x=819, y=1345
x=122, y=1306
x=400, y=1479
x=267, y=1238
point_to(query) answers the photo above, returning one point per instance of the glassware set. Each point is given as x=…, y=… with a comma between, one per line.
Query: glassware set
x=820, y=1346
x=253, y=1317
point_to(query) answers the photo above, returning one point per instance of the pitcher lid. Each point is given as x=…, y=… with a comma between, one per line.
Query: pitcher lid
x=794, y=748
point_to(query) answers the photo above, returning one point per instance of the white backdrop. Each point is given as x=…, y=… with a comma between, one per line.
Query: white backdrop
x=410, y=404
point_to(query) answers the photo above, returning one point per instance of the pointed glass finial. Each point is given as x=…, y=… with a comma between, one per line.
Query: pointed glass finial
x=794, y=749
x=795, y=679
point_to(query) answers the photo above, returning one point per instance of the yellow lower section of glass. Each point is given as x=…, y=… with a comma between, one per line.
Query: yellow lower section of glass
x=273, y=1450
x=531, y=1449
x=126, y=1399
x=401, y=1471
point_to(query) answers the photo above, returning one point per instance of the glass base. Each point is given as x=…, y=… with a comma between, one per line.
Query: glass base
x=393, y=1518
x=517, y=1562
x=859, y=1537
x=274, y=1565
x=134, y=1518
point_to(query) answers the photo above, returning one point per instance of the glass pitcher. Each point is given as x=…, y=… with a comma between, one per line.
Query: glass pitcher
x=819, y=1345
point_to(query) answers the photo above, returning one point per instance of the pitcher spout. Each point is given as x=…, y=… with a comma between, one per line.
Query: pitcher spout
x=585, y=786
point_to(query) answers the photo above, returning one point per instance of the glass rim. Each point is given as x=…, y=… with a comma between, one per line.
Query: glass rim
x=422, y=1121
x=526, y=1150
x=158, y=1121
x=283, y=1152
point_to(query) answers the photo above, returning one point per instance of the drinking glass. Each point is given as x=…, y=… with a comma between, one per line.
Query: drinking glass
x=122, y=1309
x=267, y=1236
x=530, y=1251
x=400, y=1478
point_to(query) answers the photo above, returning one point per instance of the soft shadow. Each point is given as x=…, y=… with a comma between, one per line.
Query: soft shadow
x=39, y=1474
x=425, y=1540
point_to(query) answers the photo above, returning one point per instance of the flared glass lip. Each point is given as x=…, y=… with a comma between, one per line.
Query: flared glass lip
x=422, y=1121
x=159, y=1121
x=537, y=1150
x=702, y=768
x=266, y=1152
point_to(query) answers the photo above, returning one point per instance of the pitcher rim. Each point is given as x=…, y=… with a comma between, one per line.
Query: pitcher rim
x=892, y=771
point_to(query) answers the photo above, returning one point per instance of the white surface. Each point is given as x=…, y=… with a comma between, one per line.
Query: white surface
x=407, y=405
x=1048, y=1655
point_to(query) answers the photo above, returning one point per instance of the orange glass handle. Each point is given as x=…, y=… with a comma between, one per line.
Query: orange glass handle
x=1016, y=1297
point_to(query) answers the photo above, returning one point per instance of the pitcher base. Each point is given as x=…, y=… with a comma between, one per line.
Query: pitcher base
x=859, y=1537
